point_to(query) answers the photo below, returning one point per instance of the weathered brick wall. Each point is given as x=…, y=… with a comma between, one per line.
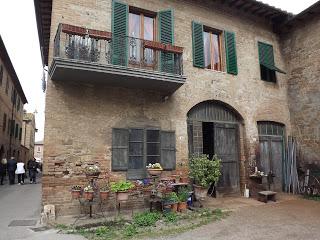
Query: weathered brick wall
x=80, y=117
x=302, y=50
x=6, y=108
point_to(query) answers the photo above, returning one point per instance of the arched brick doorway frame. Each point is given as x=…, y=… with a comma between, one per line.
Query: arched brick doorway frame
x=224, y=118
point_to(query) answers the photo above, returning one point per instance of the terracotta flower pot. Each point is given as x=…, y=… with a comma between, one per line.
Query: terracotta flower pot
x=122, y=196
x=75, y=194
x=104, y=195
x=88, y=195
x=200, y=192
x=154, y=172
x=182, y=206
x=174, y=207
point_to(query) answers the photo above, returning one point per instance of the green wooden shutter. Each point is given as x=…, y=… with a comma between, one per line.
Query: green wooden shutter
x=197, y=45
x=231, y=53
x=120, y=13
x=266, y=57
x=168, y=150
x=120, y=141
x=166, y=35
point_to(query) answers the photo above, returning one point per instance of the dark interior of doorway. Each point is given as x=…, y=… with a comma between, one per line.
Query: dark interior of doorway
x=208, y=139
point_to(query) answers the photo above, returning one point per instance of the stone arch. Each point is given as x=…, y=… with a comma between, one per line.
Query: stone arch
x=215, y=127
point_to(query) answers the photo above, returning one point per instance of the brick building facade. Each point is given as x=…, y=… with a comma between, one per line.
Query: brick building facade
x=210, y=79
x=12, y=99
x=28, y=134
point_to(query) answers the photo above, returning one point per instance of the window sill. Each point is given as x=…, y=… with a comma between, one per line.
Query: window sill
x=215, y=71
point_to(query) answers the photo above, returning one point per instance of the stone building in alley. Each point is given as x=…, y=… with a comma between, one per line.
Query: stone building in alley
x=12, y=99
x=134, y=82
x=28, y=135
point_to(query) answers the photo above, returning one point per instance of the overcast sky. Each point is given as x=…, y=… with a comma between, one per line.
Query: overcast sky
x=19, y=32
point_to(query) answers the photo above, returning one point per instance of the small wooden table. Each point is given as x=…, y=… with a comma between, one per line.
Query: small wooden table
x=264, y=196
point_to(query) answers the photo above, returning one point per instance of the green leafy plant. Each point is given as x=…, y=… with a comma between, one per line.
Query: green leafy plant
x=104, y=188
x=146, y=219
x=130, y=230
x=170, y=217
x=183, y=194
x=205, y=171
x=121, y=186
x=100, y=231
x=171, y=197
x=76, y=188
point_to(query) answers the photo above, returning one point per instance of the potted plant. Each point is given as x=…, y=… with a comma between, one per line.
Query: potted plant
x=75, y=191
x=122, y=189
x=183, y=195
x=104, y=192
x=172, y=200
x=204, y=172
x=92, y=171
x=154, y=169
x=88, y=192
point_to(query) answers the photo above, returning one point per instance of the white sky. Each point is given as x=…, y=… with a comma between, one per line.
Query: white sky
x=19, y=32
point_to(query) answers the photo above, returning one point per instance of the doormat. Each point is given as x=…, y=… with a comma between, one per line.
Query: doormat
x=19, y=223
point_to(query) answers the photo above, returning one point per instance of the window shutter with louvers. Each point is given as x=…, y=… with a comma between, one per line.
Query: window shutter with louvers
x=231, y=53
x=166, y=35
x=168, y=150
x=197, y=45
x=266, y=57
x=120, y=13
x=120, y=141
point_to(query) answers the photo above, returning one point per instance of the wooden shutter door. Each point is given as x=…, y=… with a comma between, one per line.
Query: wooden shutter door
x=168, y=150
x=166, y=35
x=120, y=12
x=120, y=140
x=197, y=45
x=136, y=164
x=231, y=53
x=226, y=148
x=197, y=138
x=276, y=161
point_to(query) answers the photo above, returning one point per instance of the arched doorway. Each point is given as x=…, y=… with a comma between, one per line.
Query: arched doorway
x=213, y=128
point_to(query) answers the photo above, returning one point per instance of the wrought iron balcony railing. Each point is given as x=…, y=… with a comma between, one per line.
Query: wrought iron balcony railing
x=81, y=44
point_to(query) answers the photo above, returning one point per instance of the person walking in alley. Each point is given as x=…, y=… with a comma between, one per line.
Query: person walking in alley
x=3, y=166
x=20, y=171
x=11, y=166
x=32, y=166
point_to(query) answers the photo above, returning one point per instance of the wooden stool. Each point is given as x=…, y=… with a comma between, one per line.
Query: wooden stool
x=264, y=196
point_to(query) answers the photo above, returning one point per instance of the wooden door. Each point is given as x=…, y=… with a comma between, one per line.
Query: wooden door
x=226, y=148
x=271, y=155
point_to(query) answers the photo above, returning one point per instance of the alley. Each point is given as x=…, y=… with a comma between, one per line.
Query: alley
x=23, y=202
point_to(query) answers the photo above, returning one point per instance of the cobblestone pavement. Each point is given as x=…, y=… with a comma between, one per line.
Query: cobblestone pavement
x=290, y=220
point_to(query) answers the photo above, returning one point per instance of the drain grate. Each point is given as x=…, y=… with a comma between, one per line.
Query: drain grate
x=18, y=223
x=40, y=229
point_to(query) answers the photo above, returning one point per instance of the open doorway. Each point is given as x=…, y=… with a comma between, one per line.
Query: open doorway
x=208, y=139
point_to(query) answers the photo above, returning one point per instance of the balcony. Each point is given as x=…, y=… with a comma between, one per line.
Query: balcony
x=92, y=56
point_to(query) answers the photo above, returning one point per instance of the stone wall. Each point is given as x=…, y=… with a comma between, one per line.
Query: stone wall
x=80, y=117
x=302, y=50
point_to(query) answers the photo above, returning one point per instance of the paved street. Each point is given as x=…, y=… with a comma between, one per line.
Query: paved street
x=292, y=220
x=23, y=202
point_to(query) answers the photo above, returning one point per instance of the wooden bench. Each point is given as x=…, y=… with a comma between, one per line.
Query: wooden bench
x=264, y=196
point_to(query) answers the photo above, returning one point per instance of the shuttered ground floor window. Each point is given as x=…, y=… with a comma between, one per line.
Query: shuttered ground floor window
x=133, y=149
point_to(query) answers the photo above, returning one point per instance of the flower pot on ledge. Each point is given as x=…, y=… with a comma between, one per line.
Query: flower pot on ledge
x=154, y=172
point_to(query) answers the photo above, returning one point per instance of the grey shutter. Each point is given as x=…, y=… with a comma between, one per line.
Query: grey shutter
x=197, y=138
x=120, y=140
x=168, y=150
x=136, y=163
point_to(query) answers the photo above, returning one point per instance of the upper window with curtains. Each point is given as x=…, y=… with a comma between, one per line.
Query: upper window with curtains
x=208, y=45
